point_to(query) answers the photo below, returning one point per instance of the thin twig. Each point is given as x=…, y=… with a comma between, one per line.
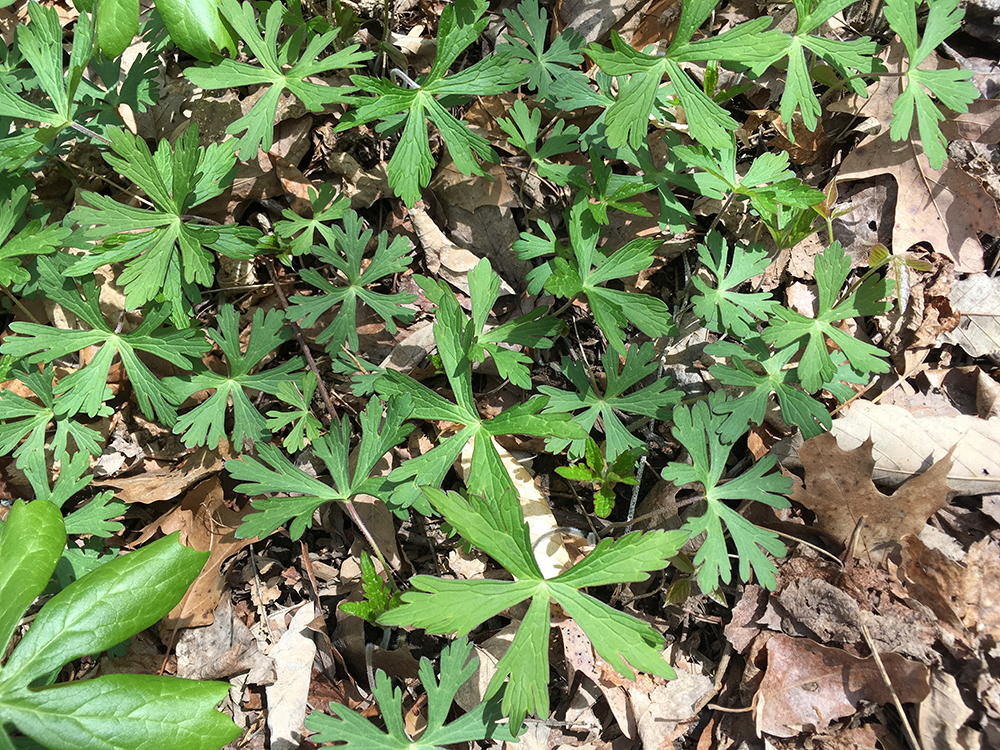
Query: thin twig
x=321, y=386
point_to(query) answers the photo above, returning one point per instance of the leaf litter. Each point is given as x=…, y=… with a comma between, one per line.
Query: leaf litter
x=812, y=686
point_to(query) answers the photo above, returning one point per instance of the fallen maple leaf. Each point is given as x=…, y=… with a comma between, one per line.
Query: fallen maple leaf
x=946, y=208
x=807, y=686
x=839, y=489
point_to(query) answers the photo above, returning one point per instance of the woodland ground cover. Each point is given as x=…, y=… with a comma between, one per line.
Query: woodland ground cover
x=572, y=339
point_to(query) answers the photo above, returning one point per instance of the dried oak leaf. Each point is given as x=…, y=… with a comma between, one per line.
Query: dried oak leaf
x=839, y=489
x=806, y=686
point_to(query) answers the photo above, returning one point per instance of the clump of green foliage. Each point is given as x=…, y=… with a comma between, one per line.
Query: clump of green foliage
x=163, y=255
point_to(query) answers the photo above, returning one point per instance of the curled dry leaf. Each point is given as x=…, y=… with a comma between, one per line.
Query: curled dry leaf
x=807, y=686
x=206, y=524
x=839, y=489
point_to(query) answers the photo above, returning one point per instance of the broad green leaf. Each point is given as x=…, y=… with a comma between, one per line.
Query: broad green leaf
x=197, y=27
x=124, y=712
x=349, y=730
x=31, y=540
x=119, y=599
x=117, y=23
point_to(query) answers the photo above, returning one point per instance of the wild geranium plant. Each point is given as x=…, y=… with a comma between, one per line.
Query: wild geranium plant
x=658, y=132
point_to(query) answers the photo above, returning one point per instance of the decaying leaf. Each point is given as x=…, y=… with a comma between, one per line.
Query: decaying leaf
x=945, y=208
x=964, y=598
x=807, y=686
x=977, y=299
x=905, y=444
x=205, y=524
x=839, y=489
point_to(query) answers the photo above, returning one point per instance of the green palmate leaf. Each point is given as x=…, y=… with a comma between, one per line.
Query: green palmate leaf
x=610, y=191
x=258, y=123
x=205, y=424
x=498, y=528
x=40, y=43
x=167, y=251
x=628, y=118
x=723, y=309
x=664, y=174
x=379, y=597
x=410, y=167
x=273, y=472
x=773, y=190
x=587, y=269
x=849, y=59
x=797, y=407
x=529, y=26
x=817, y=365
x=953, y=88
x=86, y=390
x=697, y=428
x=533, y=330
x=455, y=335
x=96, y=516
x=349, y=730
x=305, y=427
x=653, y=400
x=31, y=239
x=326, y=207
x=115, y=601
x=346, y=254
x=196, y=27
x=25, y=420
x=522, y=132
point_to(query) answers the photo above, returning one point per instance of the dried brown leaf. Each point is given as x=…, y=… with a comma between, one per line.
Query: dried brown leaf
x=806, y=686
x=839, y=489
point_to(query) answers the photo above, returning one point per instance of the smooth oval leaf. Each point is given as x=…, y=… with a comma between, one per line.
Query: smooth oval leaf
x=31, y=542
x=105, y=607
x=117, y=24
x=197, y=28
x=124, y=712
